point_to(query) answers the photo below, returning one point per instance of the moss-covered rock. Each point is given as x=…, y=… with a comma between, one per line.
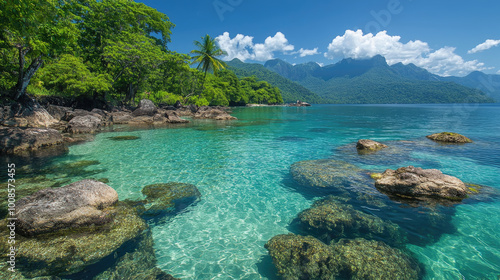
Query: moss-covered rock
x=449, y=137
x=330, y=220
x=70, y=251
x=368, y=146
x=298, y=257
x=328, y=174
x=167, y=198
x=362, y=259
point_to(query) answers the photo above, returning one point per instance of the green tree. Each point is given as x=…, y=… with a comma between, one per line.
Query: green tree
x=72, y=77
x=206, y=55
x=35, y=30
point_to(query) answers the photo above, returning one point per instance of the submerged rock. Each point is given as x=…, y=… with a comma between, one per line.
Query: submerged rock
x=366, y=145
x=449, y=137
x=124, y=138
x=299, y=257
x=75, y=205
x=18, y=140
x=412, y=182
x=69, y=251
x=167, y=198
x=329, y=219
x=146, y=108
x=329, y=174
x=361, y=259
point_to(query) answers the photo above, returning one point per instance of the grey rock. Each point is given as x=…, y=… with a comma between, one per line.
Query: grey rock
x=146, y=108
x=75, y=205
x=18, y=140
x=83, y=124
x=417, y=182
x=369, y=145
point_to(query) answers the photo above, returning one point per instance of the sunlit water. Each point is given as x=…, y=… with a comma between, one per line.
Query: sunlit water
x=242, y=170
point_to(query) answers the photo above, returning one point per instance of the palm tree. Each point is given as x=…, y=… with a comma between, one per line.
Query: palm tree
x=206, y=56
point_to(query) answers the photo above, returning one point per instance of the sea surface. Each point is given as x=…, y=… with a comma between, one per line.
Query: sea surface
x=248, y=195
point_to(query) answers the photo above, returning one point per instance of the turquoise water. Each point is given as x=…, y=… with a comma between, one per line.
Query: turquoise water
x=242, y=170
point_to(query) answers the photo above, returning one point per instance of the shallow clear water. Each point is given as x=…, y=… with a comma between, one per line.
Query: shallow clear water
x=242, y=170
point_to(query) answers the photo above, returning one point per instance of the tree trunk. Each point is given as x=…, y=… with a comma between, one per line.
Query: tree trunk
x=28, y=107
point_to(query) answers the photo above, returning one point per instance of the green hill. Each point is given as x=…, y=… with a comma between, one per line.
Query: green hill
x=374, y=81
x=290, y=91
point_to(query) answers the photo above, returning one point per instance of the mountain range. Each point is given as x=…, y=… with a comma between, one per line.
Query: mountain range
x=370, y=81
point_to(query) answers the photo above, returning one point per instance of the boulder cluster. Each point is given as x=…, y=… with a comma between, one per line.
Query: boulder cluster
x=62, y=231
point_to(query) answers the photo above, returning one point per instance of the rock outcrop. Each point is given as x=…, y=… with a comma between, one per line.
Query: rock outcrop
x=413, y=182
x=84, y=124
x=449, y=137
x=146, y=108
x=79, y=204
x=366, y=145
x=215, y=113
x=18, y=140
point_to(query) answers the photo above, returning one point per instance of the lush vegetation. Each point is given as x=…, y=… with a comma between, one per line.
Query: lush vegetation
x=291, y=91
x=373, y=81
x=112, y=52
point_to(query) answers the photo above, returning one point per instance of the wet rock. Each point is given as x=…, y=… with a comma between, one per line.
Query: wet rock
x=84, y=124
x=328, y=174
x=299, y=104
x=412, y=182
x=79, y=113
x=173, y=117
x=76, y=205
x=329, y=219
x=215, y=113
x=299, y=257
x=18, y=140
x=361, y=259
x=167, y=198
x=366, y=145
x=449, y=137
x=70, y=251
x=146, y=108
x=121, y=117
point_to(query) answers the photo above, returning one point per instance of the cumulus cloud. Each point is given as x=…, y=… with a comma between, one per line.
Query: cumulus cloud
x=243, y=48
x=444, y=61
x=488, y=44
x=305, y=52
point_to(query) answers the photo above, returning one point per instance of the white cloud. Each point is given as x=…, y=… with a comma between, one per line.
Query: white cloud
x=488, y=44
x=444, y=61
x=498, y=72
x=243, y=48
x=320, y=64
x=305, y=52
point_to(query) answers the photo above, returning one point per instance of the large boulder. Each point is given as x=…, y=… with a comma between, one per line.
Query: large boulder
x=18, y=140
x=215, y=113
x=76, y=205
x=146, y=108
x=173, y=117
x=329, y=219
x=366, y=145
x=58, y=112
x=299, y=257
x=70, y=251
x=363, y=259
x=167, y=198
x=84, y=124
x=121, y=117
x=449, y=137
x=415, y=182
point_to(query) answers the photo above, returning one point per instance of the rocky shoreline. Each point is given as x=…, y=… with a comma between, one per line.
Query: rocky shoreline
x=66, y=125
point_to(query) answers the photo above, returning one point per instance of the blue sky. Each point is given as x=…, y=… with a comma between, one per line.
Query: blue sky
x=445, y=37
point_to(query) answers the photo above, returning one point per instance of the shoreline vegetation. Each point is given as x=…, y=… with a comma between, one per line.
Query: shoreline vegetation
x=67, y=75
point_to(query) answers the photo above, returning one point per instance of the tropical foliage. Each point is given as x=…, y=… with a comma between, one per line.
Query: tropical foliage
x=113, y=51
